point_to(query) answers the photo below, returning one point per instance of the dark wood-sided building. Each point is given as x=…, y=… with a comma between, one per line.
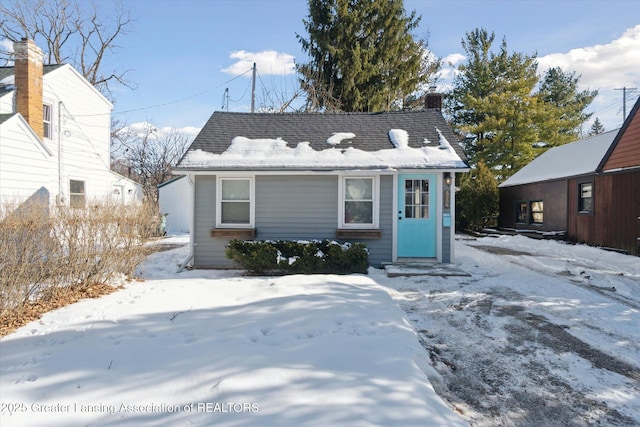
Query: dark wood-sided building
x=589, y=190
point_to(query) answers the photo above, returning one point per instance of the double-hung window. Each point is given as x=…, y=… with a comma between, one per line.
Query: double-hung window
x=47, y=120
x=585, y=197
x=235, y=202
x=358, y=202
x=77, y=194
x=537, y=212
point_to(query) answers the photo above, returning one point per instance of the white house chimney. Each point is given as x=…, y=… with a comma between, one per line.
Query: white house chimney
x=28, y=81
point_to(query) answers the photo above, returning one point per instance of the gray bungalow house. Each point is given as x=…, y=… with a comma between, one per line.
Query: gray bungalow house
x=385, y=179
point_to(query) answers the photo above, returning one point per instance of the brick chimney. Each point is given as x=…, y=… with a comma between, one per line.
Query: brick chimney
x=28, y=81
x=433, y=100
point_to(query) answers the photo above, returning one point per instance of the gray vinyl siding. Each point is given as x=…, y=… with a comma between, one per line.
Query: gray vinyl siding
x=446, y=244
x=380, y=250
x=208, y=252
x=296, y=207
x=306, y=207
x=288, y=207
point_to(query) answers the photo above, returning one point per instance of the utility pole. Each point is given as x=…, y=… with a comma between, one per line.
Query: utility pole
x=624, y=100
x=253, y=89
x=225, y=100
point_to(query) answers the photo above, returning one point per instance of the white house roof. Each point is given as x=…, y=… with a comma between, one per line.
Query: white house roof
x=574, y=159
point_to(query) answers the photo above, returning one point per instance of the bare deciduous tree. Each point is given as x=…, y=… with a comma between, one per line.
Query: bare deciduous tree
x=69, y=32
x=147, y=155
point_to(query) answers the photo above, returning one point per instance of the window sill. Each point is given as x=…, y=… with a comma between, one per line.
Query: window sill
x=355, y=233
x=234, y=233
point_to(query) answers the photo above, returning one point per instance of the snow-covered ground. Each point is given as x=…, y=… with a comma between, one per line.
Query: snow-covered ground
x=549, y=335
x=541, y=333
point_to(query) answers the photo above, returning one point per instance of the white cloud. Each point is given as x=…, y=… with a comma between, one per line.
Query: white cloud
x=140, y=129
x=6, y=46
x=454, y=59
x=268, y=62
x=603, y=67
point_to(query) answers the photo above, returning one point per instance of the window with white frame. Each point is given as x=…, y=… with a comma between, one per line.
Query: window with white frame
x=47, y=113
x=235, y=202
x=77, y=194
x=359, y=202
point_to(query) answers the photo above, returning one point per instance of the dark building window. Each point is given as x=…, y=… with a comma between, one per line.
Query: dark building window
x=522, y=212
x=537, y=212
x=585, y=197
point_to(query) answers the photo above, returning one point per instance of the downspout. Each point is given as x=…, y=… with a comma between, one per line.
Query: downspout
x=188, y=262
x=59, y=132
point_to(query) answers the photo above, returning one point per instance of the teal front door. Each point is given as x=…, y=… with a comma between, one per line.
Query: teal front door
x=416, y=216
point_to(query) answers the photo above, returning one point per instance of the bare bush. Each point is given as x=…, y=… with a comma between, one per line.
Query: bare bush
x=46, y=250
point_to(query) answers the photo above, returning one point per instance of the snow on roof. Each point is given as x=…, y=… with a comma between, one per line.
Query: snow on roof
x=246, y=153
x=399, y=138
x=574, y=159
x=8, y=80
x=338, y=137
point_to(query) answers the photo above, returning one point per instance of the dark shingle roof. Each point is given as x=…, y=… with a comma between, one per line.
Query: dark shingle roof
x=9, y=71
x=5, y=117
x=371, y=129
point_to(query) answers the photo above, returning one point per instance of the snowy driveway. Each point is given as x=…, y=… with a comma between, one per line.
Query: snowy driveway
x=542, y=333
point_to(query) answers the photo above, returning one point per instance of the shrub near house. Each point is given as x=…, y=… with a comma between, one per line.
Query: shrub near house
x=49, y=251
x=306, y=257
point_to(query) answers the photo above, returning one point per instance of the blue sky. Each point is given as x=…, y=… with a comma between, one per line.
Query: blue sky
x=183, y=54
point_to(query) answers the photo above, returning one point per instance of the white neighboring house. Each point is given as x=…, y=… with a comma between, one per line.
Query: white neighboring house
x=55, y=135
x=175, y=199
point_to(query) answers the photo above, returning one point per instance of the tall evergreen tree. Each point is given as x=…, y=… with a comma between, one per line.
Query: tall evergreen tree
x=495, y=104
x=560, y=90
x=363, y=56
x=596, y=128
x=477, y=201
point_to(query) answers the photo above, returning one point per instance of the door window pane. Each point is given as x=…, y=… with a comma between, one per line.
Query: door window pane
x=416, y=197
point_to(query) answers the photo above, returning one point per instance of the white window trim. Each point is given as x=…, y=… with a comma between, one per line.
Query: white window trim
x=252, y=202
x=84, y=187
x=50, y=121
x=376, y=202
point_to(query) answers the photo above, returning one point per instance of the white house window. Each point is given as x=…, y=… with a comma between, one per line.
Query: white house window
x=77, y=196
x=235, y=202
x=585, y=197
x=46, y=120
x=359, y=204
